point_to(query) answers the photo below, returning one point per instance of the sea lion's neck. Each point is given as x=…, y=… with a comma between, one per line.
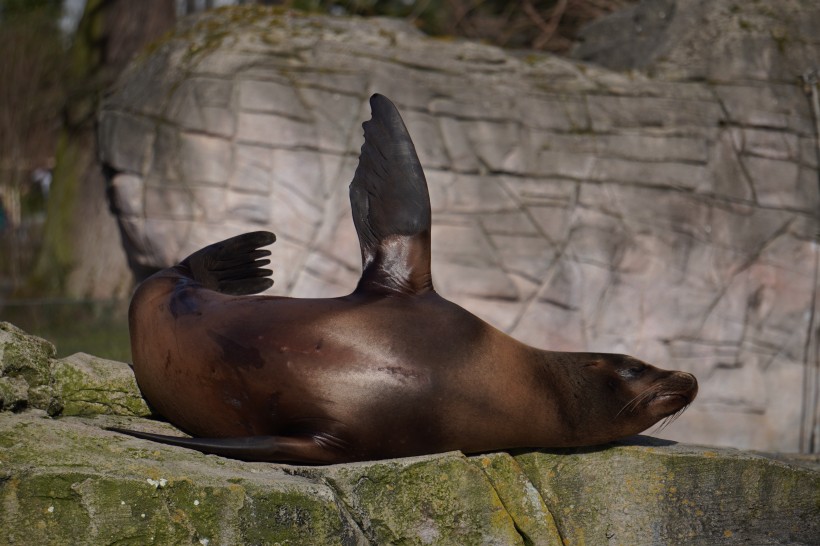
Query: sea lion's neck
x=559, y=384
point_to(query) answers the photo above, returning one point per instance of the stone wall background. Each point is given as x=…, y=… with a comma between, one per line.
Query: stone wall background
x=669, y=212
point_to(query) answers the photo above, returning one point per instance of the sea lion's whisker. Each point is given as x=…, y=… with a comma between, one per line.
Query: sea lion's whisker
x=635, y=402
x=668, y=420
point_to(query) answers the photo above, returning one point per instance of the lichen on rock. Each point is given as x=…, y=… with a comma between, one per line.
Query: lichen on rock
x=25, y=368
x=88, y=385
x=80, y=384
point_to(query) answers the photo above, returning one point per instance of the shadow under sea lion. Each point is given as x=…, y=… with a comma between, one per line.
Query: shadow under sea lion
x=391, y=370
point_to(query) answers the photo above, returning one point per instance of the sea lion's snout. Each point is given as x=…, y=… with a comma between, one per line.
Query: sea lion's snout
x=674, y=393
x=686, y=383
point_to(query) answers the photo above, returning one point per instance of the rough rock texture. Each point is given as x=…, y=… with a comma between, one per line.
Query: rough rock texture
x=672, y=217
x=724, y=41
x=80, y=384
x=67, y=481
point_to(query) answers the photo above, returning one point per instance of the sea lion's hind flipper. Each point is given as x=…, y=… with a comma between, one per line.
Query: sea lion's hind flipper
x=233, y=266
x=293, y=449
x=391, y=206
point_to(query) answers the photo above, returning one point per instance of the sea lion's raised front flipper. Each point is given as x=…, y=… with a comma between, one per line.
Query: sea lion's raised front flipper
x=391, y=207
x=283, y=449
x=233, y=266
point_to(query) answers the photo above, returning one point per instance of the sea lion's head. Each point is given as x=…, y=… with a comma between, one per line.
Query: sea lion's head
x=625, y=396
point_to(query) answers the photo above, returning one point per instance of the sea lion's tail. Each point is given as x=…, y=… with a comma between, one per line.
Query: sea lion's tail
x=391, y=206
x=233, y=266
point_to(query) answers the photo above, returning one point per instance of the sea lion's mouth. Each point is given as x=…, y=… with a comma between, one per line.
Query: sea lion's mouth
x=670, y=403
x=681, y=392
x=686, y=399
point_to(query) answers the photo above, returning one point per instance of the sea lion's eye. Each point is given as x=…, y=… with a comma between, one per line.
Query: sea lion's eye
x=632, y=371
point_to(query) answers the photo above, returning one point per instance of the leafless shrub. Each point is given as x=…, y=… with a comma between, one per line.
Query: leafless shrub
x=31, y=97
x=548, y=25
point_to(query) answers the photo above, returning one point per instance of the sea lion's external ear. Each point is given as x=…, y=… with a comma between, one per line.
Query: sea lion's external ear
x=391, y=205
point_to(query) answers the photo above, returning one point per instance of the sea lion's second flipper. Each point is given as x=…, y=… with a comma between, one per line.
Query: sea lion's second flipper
x=391, y=206
x=233, y=266
x=301, y=449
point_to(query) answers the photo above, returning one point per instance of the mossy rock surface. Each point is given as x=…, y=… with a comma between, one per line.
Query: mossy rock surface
x=87, y=385
x=80, y=384
x=68, y=480
x=657, y=492
x=25, y=368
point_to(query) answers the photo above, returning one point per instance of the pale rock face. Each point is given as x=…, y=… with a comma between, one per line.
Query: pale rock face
x=672, y=217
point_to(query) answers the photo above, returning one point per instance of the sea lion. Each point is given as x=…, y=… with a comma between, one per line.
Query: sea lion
x=391, y=370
